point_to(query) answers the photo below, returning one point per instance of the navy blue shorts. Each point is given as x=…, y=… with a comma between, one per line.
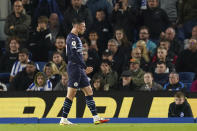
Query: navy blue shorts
x=77, y=77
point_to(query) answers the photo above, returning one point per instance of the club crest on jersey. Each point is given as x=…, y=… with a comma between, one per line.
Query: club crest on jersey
x=74, y=44
x=182, y=114
x=75, y=84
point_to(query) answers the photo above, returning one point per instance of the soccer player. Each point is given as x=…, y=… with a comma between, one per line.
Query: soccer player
x=77, y=77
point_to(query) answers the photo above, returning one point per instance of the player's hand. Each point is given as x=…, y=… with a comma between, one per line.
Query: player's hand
x=89, y=70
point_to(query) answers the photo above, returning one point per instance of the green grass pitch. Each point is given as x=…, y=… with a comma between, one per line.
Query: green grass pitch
x=102, y=127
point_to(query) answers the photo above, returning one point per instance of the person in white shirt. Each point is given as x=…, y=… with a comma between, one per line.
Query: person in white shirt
x=40, y=83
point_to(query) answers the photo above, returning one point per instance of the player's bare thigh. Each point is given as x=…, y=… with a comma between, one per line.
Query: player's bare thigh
x=71, y=92
x=87, y=91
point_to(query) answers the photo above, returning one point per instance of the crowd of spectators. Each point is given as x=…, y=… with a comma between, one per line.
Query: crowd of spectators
x=132, y=45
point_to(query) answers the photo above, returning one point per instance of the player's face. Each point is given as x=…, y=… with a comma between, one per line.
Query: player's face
x=60, y=44
x=81, y=28
x=57, y=59
x=179, y=101
x=40, y=80
x=22, y=57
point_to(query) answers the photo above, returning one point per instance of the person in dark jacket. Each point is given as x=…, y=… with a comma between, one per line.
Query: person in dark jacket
x=180, y=107
x=174, y=84
x=17, y=23
x=62, y=85
x=123, y=16
x=23, y=79
x=187, y=60
x=40, y=41
x=77, y=10
x=155, y=18
x=8, y=59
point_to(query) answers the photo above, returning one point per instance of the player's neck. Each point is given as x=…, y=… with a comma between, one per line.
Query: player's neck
x=74, y=31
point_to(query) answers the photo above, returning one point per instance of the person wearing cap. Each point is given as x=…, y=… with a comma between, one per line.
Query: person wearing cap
x=150, y=85
x=109, y=77
x=18, y=66
x=126, y=81
x=137, y=73
x=24, y=78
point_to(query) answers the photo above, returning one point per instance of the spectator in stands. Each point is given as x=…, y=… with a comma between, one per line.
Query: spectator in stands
x=95, y=5
x=150, y=85
x=123, y=42
x=49, y=74
x=162, y=57
x=123, y=16
x=97, y=83
x=29, y=6
x=93, y=39
x=171, y=8
x=174, y=84
x=55, y=27
x=187, y=16
x=62, y=85
x=3, y=87
x=194, y=36
x=186, y=61
x=137, y=54
x=194, y=86
x=8, y=59
x=17, y=23
x=90, y=62
x=170, y=54
x=137, y=74
x=155, y=19
x=161, y=73
x=126, y=83
x=109, y=77
x=118, y=56
x=24, y=78
x=93, y=57
x=144, y=35
x=104, y=29
x=180, y=107
x=20, y=64
x=176, y=45
x=40, y=41
x=58, y=65
x=40, y=83
x=60, y=45
x=145, y=53
x=77, y=10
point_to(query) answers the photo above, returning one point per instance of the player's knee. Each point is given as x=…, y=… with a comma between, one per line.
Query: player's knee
x=71, y=95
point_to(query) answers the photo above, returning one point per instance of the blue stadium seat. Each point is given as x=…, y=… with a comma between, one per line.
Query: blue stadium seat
x=188, y=85
x=186, y=77
x=41, y=65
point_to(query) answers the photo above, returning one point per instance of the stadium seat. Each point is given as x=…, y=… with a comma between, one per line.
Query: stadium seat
x=4, y=77
x=186, y=77
x=188, y=85
x=41, y=65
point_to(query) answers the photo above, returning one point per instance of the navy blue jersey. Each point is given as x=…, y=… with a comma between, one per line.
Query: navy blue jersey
x=74, y=50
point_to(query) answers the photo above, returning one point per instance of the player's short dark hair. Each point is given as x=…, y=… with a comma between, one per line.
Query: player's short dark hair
x=77, y=21
x=179, y=95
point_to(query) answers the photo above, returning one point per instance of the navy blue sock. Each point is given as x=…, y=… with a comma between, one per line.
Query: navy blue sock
x=66, y=107
x=91, y=104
